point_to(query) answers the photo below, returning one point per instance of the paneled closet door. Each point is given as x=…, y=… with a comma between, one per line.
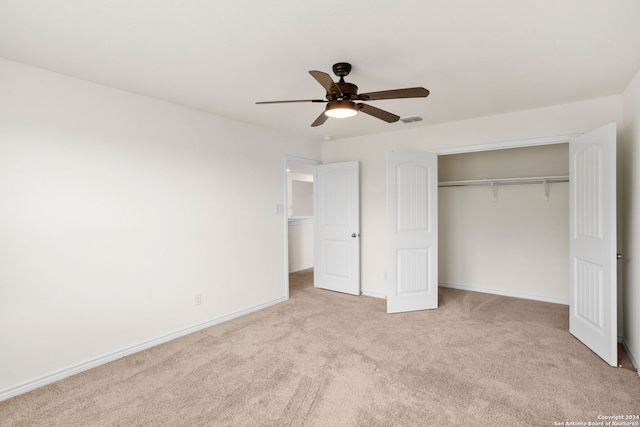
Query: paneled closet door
x=412, y=209
x=592, y=206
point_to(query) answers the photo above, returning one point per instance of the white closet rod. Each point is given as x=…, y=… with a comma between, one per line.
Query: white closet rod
x=505, y=181
x=494, y=183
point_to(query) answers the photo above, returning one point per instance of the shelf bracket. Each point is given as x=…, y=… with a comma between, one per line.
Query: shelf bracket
x=546, y=189
x=494, y=187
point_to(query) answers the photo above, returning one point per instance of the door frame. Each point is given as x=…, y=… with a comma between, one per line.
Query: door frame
x=520, y=143
x=293, y=159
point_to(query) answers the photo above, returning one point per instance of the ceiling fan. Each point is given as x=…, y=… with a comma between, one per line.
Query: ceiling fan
x=341, y=97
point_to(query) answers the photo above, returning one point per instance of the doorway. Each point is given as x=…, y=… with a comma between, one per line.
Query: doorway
x=299, y=215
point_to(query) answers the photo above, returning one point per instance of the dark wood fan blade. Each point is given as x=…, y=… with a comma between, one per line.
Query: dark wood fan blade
x=378, y=113
x=295, y=100
x=320, y=120
x=411, y=92
x=327, y=82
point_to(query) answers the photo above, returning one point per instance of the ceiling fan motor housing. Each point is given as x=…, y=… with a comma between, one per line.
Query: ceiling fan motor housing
x=348, y=90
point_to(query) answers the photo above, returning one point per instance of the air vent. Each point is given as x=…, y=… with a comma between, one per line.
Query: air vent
x=411, y=119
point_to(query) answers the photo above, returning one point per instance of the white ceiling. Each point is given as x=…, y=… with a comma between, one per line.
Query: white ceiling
x=477, y=58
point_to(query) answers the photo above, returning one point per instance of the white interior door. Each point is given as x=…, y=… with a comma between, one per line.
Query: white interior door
x=412, y=204
x=337, y=227
x=592, y=206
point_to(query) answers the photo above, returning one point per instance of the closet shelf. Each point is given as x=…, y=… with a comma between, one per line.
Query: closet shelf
x=505, y=181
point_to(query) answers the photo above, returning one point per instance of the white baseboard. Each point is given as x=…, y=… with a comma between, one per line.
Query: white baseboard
x=374, y=294
x=48, y=379
x=504, y=293
x=631, y=357
x=482, y=290
x=306, y=267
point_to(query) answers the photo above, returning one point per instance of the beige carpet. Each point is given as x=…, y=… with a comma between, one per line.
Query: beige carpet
x=328, y=359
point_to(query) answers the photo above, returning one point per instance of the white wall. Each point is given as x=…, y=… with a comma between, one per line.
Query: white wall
x=629, y=201
x=116, y=210
x=541, y=160
x=293, y=176
x=300, y=244
x=371, y=151
x=518, y=246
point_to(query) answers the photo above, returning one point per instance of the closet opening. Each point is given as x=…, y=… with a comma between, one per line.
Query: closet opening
x=504, y=221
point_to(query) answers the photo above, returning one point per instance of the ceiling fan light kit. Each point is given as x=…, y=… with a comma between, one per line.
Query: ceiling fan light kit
x=341, y=109
x=341, y=96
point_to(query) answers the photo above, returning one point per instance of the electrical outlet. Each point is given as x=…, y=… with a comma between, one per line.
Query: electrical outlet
x=384, y=275
x=197, y=300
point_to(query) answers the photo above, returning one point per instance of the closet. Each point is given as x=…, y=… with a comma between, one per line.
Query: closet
x=504, y=222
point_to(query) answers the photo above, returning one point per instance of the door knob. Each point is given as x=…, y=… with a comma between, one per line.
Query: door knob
x=619, y=256
x=354, y=235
